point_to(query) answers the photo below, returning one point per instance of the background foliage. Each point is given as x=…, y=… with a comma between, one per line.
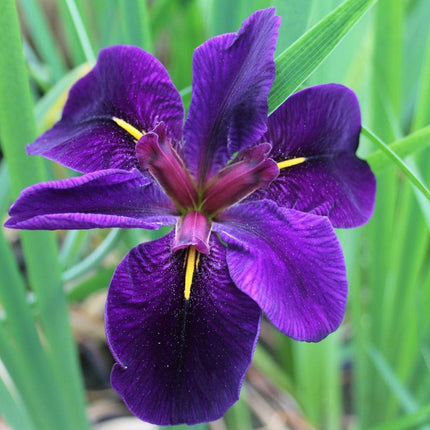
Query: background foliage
x=374, y=372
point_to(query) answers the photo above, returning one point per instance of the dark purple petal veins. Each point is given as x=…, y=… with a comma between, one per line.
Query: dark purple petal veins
x=290, y=263
x=127, y=83
x=232, y=76
x=194, y=229
x=178, y=360
x=107, y=198
x=320, y=127
x=251, y=171
x=155, y=153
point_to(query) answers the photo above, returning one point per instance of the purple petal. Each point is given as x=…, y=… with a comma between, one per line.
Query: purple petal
x=232, y=76
x=323, y=125
x=290, y=263
x=107, y=198
x=179, y=361
x=126, y=83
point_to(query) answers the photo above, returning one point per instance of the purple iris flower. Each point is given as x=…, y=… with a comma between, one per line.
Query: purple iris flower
x=253, y=199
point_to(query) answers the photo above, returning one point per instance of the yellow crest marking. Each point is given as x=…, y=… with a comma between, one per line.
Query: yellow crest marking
x=191, y=261
x=128, y=128
x=291, y=162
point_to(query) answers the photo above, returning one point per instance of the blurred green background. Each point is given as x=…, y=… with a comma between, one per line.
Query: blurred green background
x=374, y=372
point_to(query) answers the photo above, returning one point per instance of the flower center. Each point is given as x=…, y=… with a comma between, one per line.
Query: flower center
x=250, y=170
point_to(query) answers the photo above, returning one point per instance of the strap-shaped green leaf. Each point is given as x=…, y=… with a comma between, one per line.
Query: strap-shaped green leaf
x=43, y=37
x=302, y=58
x=388, y=152
x=21, y=350
x=81, y=31
x=13, y=409
x=17, y=128
x=408, y=145
x=405, y=422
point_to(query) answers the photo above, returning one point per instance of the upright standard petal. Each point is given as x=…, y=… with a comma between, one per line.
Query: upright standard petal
x=178, y=360
x=127, y=84
x=107, y=198
x=232, y=76
x=319, y=127
x=290, y=263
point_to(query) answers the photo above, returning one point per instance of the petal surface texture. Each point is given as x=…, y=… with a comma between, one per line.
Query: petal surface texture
x=179, y=361
x=107, y=198
x=323, y=125
x=127, y=83
x=232, y=76
x=290, y=263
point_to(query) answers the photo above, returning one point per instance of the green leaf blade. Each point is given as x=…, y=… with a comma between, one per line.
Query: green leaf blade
x=408, y=145
x=302, y=58
x=399, y=162
x=17, y=128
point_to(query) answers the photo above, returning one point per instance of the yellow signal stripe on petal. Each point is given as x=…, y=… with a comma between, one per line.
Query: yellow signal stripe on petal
x=291, y=162
x=128, y=128
x=192, y=260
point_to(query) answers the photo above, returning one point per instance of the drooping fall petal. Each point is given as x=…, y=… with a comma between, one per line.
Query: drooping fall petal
x=107, y=198
x=127, y=83
x=321, y=124
x=178, y=360
x=290, y=263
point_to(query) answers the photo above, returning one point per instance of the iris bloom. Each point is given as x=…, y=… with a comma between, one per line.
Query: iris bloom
x=253, y=199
